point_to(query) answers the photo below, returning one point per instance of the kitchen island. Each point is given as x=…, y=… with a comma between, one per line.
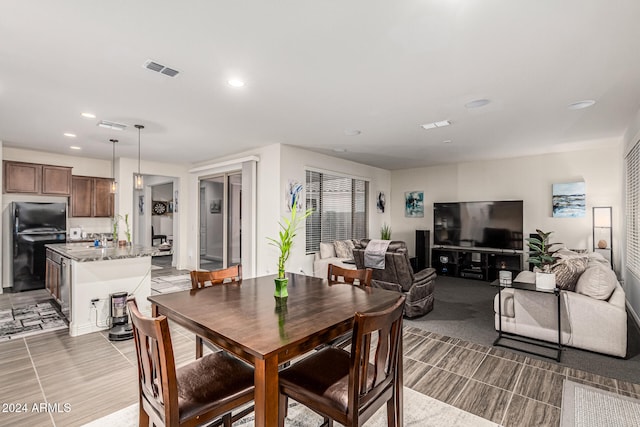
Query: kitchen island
x=81, y=277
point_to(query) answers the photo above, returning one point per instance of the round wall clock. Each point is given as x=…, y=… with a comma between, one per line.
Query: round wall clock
x=159, y=208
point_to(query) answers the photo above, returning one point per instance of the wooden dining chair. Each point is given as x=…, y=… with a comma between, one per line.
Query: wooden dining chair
x=363, y=276
x=350, y=387
x=199, y=279
x=334, y=274
x=200, y=391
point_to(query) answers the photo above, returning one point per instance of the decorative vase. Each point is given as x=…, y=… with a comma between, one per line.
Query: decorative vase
x=546, y=281
x=281, y=288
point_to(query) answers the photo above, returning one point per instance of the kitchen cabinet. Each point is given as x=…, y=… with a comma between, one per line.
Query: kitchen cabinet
x=35, y=178
x=91, y=197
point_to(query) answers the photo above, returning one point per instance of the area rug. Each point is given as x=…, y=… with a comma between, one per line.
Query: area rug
x=30, y=319
x=586, y=406
x=167, y=284
x=419, y=411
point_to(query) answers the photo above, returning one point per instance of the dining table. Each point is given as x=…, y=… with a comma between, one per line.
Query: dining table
x=245, y=319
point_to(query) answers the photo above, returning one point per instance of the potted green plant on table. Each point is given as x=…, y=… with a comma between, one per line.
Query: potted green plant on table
x=288, y=229
x=543, y=257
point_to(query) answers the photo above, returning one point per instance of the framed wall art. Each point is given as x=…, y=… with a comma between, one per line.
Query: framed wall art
x=414, y=204
x=569, y=200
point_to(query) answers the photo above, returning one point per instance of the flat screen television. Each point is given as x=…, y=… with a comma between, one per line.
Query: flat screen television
x=491, y=225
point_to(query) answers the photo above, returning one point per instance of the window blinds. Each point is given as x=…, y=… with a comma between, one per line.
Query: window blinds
x=339, y=209
x=633, y=210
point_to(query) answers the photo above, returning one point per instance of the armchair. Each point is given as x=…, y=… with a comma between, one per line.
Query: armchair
x=399, y=276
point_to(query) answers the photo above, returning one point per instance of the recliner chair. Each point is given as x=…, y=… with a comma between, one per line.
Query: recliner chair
x=399, y=276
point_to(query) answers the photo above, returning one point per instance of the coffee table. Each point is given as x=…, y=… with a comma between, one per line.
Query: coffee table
x=530, y=287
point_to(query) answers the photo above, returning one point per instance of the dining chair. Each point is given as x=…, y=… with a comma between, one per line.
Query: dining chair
x=363, y=276
x=334, y=273
x=350, y=387
x=154, y=236
x=199, y=279
x=203, y=390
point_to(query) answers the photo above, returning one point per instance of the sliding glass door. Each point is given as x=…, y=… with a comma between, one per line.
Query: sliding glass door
x=220, y=221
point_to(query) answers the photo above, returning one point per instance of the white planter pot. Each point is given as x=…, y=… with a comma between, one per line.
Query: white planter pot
x=545, y=281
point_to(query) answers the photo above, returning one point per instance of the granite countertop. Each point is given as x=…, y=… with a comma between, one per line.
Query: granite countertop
x=85, y=252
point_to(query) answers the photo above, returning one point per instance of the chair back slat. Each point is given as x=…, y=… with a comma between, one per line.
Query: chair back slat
x=368, y=379
x=363, y=276
x=200, y=279
x=156, y=366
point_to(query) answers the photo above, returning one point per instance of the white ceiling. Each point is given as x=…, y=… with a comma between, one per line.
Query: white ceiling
x=314, y=69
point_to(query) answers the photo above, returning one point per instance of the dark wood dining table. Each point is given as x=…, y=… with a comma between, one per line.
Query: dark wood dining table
x=246, y=320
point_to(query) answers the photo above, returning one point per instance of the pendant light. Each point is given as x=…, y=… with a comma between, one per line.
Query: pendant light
x=114, y=183
x=138, y=181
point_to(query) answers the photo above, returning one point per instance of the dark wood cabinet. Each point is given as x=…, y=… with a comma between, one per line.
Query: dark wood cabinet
x=52, y=278
x=91, y=197
x=34, y=178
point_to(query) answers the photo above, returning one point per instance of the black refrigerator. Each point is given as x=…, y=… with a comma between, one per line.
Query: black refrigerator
x=34, y=225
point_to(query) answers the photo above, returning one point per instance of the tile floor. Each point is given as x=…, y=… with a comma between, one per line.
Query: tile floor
x=96, y=377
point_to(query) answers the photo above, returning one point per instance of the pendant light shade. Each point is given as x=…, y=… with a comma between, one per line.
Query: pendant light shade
x=138, y=180
x=114, y=183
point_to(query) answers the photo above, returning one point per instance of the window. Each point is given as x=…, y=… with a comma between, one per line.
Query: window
x=339, y=209
x=633, y=210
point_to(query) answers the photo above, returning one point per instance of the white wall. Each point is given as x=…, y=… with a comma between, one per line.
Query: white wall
x=523, y=178
x=294, y=162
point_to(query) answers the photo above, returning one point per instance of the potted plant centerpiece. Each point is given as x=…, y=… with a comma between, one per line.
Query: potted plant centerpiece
x=542, y=257
x=288, y=229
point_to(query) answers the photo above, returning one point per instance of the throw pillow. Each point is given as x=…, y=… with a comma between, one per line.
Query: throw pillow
x=568, y=270
x=326, y=250
x=597, y=281
x=344, y=248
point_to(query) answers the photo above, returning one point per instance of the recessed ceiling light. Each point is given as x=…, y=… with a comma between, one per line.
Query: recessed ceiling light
x=477, y=103
x=70, y=135
x=236, y=83
x=447, y=141
x=581, y=104
x=352, y=132
x=111, y=125
x=441, y=123
x=88, y=115
x=75, y=147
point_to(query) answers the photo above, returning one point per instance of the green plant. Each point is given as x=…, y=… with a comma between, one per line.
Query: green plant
x=127, y=232
x=385, y=232
x=288, y=229
x=540, y=253
x=115, y=230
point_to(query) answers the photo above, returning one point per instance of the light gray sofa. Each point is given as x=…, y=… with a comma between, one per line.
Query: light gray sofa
x=327, y=255
x=593, y=316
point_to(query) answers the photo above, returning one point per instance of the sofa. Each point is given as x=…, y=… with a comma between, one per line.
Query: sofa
x=335, y=253
x=593, y=312
x=398, y=275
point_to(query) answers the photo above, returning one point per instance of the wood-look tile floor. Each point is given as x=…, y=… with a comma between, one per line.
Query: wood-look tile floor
x=88, y=377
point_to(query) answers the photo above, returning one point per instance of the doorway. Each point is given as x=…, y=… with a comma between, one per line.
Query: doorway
x=220, y=221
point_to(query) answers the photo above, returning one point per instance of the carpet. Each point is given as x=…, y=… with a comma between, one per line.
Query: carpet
x=30, y=319
x=419, y=411
x=585, y=406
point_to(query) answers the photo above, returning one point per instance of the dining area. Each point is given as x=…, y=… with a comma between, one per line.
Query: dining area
x=268, y=349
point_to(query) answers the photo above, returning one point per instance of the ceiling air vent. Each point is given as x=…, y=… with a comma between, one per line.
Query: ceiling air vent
x=111, y=125
x=159, y=68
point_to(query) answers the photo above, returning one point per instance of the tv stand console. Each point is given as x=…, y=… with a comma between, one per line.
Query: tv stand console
x=475, y=263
